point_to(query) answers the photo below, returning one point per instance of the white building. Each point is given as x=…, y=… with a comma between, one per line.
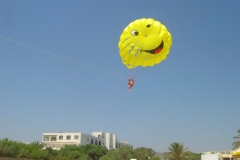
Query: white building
x=58, y=140
x=221, y=155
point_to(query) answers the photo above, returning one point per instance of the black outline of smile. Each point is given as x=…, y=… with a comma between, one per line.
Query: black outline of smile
x=153, y=50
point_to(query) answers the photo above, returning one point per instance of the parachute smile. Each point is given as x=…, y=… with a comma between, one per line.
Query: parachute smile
x=156, y=50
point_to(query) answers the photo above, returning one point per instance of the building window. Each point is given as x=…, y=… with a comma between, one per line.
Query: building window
x=76, y=137
x=99, y=136
x=92, y=141
x=53, y=138
x=116, y=145
x=68, y=137
x=99, y=143
x=96, y=142
x=46, y=139
x=60, y=138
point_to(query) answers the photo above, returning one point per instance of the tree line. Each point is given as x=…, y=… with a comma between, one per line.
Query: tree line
x=34, y=150
x=176, y=151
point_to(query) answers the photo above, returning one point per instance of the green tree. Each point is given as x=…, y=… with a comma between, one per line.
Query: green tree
x=8, y=148
x=195, y=156
x=37, y=144
x=84, y=152
x=125, y=153
x=122, y=153
x=155, y=158
x=177, y=152
x=72, y=152
x=111, y=155
x=143, y=153
x=236, y=144
x=94, y=151
x=43, y=155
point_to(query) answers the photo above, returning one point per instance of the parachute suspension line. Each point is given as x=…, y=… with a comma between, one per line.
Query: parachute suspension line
x=132, y=73
x=63, y=57
x=139, y=71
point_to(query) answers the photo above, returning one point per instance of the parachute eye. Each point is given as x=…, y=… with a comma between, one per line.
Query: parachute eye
x=134, y=32
x=149, y=25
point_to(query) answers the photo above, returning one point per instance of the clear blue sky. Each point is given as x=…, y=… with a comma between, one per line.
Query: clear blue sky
x=192, y=97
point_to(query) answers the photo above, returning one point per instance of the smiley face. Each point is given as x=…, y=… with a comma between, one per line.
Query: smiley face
x=144, y=42
x=146, y=35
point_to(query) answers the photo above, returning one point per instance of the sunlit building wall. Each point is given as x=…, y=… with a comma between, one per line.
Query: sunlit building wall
x=60, y=139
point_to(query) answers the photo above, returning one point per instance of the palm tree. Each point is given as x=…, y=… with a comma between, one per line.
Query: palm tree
x=236, y=144
x=177, y=152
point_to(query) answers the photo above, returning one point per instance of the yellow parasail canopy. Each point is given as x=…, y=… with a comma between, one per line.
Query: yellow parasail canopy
x=144, y=42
